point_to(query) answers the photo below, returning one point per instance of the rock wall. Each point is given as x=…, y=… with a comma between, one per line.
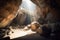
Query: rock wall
x=8, y=11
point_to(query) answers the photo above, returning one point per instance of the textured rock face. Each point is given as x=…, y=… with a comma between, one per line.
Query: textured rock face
x=42, y=7
x=8, y=11
x=51, y=15
x=49, y=7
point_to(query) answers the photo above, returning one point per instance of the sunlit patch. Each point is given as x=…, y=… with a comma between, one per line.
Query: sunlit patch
x=15, y=33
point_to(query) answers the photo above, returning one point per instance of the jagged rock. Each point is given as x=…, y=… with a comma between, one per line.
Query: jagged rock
x=8, y=11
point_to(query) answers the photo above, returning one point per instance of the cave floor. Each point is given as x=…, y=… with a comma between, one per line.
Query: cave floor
x=32, y=37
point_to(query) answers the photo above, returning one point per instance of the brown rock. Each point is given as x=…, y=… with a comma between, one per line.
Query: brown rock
x=8, y=9
x=35, y=26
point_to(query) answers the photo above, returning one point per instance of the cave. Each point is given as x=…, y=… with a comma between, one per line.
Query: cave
x=29, y=20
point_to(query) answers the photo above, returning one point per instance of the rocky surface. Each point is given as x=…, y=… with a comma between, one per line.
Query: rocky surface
x=8, y=11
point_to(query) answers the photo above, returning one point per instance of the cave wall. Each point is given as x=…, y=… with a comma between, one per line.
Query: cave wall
x=52, y=6
x=8, y=9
